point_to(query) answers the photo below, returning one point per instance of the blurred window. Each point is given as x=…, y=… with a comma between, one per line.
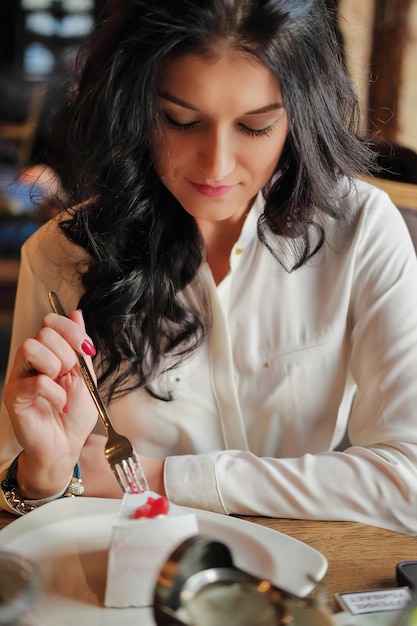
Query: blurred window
x=38, y=60
x=69, y=6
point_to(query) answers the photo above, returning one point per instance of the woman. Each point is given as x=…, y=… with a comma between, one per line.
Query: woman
x=249, y=305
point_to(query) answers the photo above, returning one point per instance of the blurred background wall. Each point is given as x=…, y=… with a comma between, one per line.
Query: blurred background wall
x=39, y=40
x=380, y=38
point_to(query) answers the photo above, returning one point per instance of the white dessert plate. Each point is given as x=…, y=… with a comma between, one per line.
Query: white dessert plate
x=68, y=541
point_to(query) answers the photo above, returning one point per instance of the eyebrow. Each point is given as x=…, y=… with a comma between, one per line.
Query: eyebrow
x=266, y=109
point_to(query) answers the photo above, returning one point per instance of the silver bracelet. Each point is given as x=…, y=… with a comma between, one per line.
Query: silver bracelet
x=9, y=486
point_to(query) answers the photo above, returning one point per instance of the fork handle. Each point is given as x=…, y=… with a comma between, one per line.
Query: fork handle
x=92, y=388
x=88, y=379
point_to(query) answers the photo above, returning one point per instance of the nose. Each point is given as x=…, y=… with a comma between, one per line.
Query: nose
x=216, y=156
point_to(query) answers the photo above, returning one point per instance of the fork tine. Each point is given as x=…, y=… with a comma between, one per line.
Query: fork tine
x=133, y=473
x=130, y=475
x=121, y=478
x=139, y=482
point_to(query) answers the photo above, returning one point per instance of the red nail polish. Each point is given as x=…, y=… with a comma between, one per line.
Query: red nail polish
x=88, y=348
x=65, y=409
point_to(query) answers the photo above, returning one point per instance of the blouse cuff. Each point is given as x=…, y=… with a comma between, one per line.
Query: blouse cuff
x=190, y=480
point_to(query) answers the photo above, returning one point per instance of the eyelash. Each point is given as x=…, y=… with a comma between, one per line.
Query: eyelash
x=261, y=132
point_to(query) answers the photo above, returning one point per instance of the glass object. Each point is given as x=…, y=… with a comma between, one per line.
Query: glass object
x=409, y=615
x=19, y=587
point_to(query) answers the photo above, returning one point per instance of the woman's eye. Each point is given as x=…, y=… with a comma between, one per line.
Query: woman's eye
x=178, y=125
x=252, y=132
x=256, y=132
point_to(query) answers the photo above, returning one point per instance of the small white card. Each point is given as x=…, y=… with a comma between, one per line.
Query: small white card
x=380, y=607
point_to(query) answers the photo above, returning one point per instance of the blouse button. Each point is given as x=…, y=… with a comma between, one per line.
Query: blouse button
x=239, y=250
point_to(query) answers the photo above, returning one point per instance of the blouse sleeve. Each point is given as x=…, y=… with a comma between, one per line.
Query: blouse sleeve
x=38, y=274
x=28, y=311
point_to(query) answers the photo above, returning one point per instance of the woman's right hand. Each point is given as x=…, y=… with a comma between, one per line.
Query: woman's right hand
x=50, y=407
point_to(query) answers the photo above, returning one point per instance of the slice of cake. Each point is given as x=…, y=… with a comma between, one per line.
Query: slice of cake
x=147, y=529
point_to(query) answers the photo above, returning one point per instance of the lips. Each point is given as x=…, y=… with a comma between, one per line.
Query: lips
x=213, y=192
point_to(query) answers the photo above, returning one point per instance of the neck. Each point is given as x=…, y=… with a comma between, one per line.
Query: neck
x=219, y=238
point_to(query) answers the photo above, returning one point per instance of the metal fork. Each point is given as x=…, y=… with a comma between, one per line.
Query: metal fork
x=119, y=452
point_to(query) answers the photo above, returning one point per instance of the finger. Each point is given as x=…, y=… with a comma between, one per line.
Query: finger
x=87, y=345
x=47, y=353
x=78, y=318
x=34, y=357
x=60, y=348
x=71, y=330
x=80, y=406
x=19, y=395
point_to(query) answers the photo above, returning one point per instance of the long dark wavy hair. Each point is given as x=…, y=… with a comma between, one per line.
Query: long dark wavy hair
x=144, y=248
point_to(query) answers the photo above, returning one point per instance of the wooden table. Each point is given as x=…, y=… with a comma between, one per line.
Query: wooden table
x=360, y=557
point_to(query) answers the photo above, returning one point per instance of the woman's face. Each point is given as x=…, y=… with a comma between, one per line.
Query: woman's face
x=223, y=130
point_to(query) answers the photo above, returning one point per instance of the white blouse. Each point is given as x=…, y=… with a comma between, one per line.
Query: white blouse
x=303, y=401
